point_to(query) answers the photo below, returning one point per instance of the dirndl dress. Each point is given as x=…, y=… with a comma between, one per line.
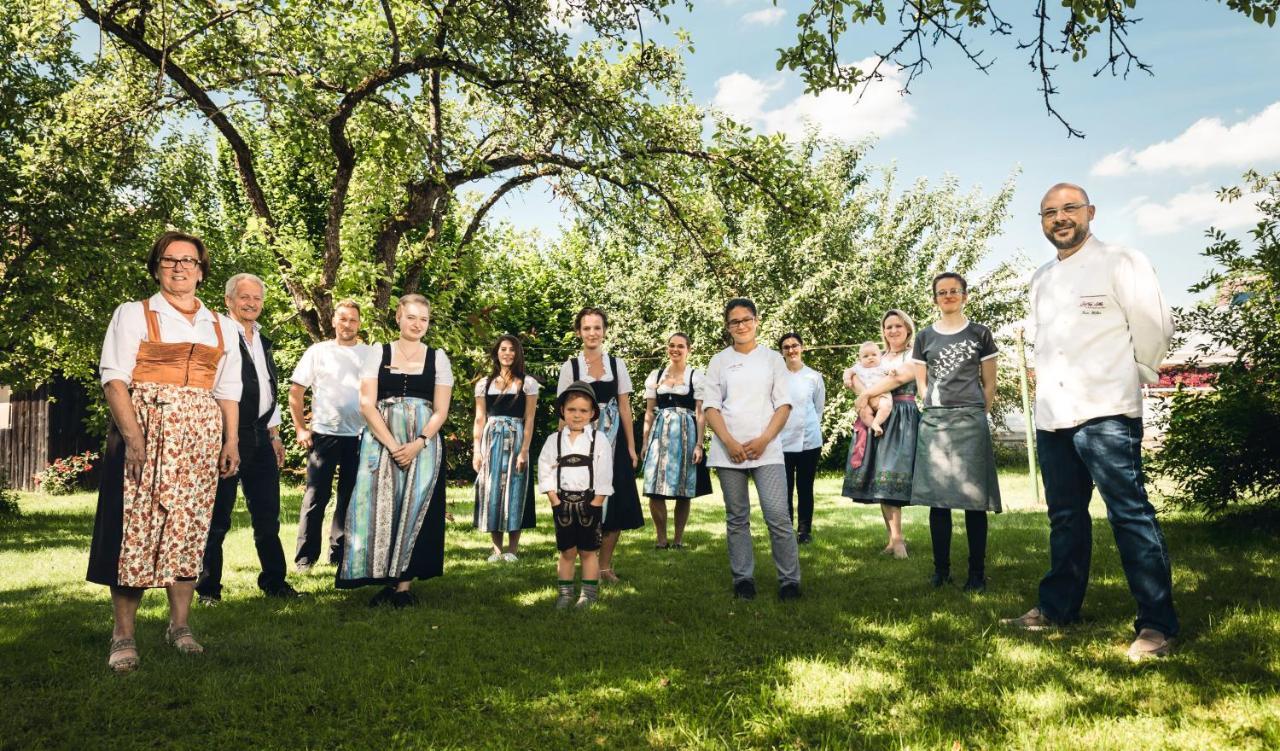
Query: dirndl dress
x=669, y=469
x=395, y=521
x=151, y=533
x=622, y=509
x=504, y=495
x=880, y=469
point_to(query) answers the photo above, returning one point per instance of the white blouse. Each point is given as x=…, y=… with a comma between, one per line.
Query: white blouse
x=803, y=431
x=530, y=387
x=576, y=478
x=652, y=388
x=747, y=389
x=566, y=375
x=373, y=362
x=128, y=329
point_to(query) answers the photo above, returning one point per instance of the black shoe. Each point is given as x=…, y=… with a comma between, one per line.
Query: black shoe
x=383, y=597
x=789, y=591
x=939, y=578
x=209, y=601
x=804, y=538
x=744, y=589
x=284, y=592
x=976, y=583
x=406, y=599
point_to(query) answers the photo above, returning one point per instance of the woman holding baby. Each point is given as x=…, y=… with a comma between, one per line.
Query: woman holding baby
x=882, y=452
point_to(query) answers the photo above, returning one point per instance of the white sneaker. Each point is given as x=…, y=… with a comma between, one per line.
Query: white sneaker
x=509, y=557
x=495, y=558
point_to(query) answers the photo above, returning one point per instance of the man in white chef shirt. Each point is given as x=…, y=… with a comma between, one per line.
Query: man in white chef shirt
x=1101, y=329
x=746, y=402
x=331, y=370
x=261, y=452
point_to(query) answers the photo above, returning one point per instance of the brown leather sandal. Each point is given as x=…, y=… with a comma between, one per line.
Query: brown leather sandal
x=176, y=636
x=123, y=663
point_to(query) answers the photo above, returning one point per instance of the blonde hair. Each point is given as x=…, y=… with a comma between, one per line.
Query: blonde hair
x=906, y=319
x=412, y=299
x=866, y=344
x=346, y=302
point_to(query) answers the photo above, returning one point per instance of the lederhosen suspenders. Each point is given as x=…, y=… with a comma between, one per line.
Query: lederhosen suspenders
x=574, y=502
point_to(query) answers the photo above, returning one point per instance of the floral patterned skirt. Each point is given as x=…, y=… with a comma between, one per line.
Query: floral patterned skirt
x=152, y=533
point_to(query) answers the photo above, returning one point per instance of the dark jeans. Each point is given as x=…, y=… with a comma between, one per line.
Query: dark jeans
x=260, y=477
x=975, y=530
x=329, y=453
x=802, y=467
x=1106, y=452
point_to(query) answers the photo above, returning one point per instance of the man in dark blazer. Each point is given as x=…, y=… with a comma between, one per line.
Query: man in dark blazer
x=261, y=454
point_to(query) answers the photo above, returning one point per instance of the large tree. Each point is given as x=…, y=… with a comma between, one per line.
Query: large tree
x=368, y=140
x=1048, y=34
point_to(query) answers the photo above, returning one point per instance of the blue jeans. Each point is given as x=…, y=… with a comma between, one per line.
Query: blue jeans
x=1105, y=452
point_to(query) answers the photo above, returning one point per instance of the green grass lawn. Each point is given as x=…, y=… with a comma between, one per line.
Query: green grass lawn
x=871, y=657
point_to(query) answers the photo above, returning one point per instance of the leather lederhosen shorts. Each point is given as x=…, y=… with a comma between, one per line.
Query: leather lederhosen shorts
x=577, y=521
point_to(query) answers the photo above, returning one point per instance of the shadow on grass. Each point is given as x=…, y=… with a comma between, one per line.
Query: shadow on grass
x=871, y=657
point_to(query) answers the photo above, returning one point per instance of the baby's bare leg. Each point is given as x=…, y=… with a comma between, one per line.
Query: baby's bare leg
x=884, y=405
x=867, y=415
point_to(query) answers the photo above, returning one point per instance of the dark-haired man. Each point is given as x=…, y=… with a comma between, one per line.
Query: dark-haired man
x=1101, y=330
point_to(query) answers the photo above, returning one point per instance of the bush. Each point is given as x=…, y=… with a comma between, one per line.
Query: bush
x=62, y=475
x=9, y=509
x=1220, y=446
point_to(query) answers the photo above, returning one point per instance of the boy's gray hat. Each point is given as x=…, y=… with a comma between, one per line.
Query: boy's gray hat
x=578, y=387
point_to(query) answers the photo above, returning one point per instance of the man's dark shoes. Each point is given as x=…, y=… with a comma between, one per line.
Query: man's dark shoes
x=804, y=538
x=976, y=583
x=744, y=589
x=789, y=591
x=939, y=579
x=283, y=591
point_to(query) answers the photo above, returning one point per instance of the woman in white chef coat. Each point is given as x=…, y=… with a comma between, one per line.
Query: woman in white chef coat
x=746, y=403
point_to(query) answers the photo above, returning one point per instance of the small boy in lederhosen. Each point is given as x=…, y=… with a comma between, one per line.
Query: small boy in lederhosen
x=575, y=470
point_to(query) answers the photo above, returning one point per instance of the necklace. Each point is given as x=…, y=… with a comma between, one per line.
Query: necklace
x=184, y=311
x=403, y=355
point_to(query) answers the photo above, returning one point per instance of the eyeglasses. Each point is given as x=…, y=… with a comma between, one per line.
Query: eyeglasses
x=955, y=292
x=790, y=347
x=1068, y=208
x=167, y=262
x=736, y=323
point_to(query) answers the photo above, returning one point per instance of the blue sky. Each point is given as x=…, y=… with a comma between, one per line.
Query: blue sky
x=1157, y=148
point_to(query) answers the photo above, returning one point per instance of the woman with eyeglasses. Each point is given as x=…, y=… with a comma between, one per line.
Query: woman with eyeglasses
x=878, y=468
x=802, y=435
x=955, y=464
x=746, y=403
x=674, y=467
x=171, y=374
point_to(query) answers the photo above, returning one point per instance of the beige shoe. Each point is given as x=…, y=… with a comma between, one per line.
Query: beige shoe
x=182, y=638
x=1032, y=620
x=119, y=658
x=1150, y=645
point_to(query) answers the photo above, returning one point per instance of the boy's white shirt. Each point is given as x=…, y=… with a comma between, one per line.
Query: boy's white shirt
x=576, y=478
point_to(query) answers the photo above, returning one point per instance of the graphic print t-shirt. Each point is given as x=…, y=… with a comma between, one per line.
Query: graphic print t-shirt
x=954, y=364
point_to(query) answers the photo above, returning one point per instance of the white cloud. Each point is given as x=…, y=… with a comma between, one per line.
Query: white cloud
x=765, y=17
x=1195, y=210
x=1207, y=143
x=879, y=109
x=563, y=17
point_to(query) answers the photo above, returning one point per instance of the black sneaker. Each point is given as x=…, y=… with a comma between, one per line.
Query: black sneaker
x=789, y=591
x=284, y=592
x=209, y=601
x=939, y=579
x=976, y=583
x=744, y=589
x=383, y=597
x=804, y=538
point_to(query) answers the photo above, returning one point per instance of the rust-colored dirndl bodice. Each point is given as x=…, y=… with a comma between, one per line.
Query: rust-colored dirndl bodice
x=164, y=518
